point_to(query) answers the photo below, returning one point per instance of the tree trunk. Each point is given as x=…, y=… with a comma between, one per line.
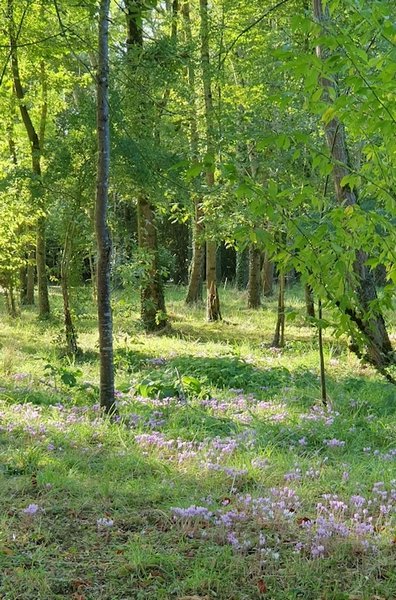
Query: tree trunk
x=213, y=302
x=267, y=276
x=10, y=301
x=42, y=284
x=152, y=294
x=194, y=292
x=101, y=208
x=93, y=277
x=254, y=277
x=23, y=285
x=242, y=269
x=279, y=336
x=153, y=311
x=368, y=317
x=36, y=152
x=70, y=332
x=31, y=272
x=321, y=356
x=309, y=301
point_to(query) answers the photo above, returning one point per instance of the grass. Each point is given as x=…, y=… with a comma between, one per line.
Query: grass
x=224, y=477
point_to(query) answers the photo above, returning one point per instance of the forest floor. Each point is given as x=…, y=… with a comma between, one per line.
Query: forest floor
x=224, y=478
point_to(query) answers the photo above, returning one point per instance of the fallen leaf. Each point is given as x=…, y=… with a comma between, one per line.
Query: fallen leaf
x=303, y=520
x=262, y=586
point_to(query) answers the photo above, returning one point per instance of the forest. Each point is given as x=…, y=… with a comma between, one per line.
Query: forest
x=198, y=300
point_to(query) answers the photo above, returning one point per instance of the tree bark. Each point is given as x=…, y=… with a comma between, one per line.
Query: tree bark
x=194, y=291
x=31, y=272
x=70, y=331
x=309, y=301
x=153, y=311
x=36, y=153
x=213, y=301
x=267, y=276
x=368, y=317
x=152, y=295
x=242, y=269
x=279, y=336
x=254, y=277
x=103, y=240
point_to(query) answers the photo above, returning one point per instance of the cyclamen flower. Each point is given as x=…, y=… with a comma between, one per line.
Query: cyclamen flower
x=32, y=509
x=200, y=512
x=103, y=522
x=334, y=443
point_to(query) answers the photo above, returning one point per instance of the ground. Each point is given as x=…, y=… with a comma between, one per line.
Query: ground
x=223, y=478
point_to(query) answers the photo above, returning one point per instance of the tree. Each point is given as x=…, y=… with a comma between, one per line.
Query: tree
x=153, y=312
x=366, y=316
x=102, y=229
x=36, y=139
x=213, y=301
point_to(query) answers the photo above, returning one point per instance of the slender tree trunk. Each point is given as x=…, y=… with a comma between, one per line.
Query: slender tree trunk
x=26, y=284
x=23, y=285
x=309, y=301
x=31, y=272
x=153, y=311
x=279, y=336
x=152, y=295
x=70, y=332
x=213, y=301
x=367, y=317
x=93, y=277
x=254, y=277
x=42, y=284
x=321, y=357
x=36, y=152
x=10, y=301
x=242, y=269
x=101, y=208
x=267, y=276
x=194, y=291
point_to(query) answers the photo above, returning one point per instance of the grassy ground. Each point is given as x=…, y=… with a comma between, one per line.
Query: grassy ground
x=224, y=479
